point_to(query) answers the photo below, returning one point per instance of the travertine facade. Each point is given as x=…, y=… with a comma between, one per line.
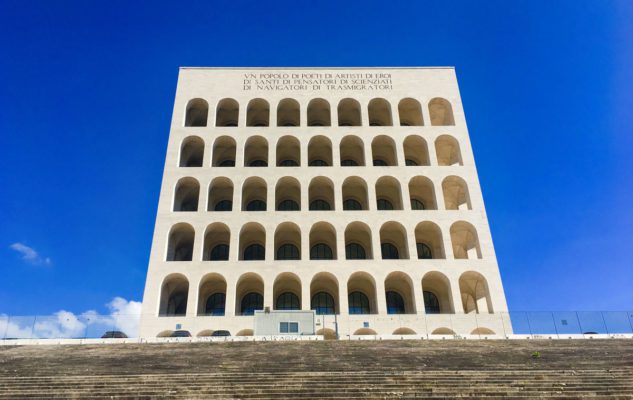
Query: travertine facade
x=349, y=191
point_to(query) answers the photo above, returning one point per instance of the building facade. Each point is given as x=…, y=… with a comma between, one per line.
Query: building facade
x=352, y=192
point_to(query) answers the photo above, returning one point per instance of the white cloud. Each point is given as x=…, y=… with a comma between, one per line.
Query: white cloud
x=124, y=316
x=30, y=255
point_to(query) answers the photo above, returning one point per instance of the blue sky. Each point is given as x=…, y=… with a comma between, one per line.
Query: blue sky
x=86, y=96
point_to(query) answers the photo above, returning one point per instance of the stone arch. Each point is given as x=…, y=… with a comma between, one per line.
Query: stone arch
x=482, y=331
x=416, y=151
x=166, y=333
x=328, y=334
x=287, y=283
x=388, y=193
x=227, y=113
x=212, y=295
x=256, y=152
x=383, y=151
x=410, y=112
x=393, y=233
x=248, y=284
x=365, y=284
x=252, y=234
x=465, y=241
x=349, y=113
x=447, y=151
x=288, y=152
x=441, y=112
x=217, y=239
x=404, y=331
x=401, y=283
x=254, y=192
x=321, y=190
x=365, y=332
x=205, y=333
x=258, y=113
x=324, y=282
x=180, y=242
x=288, y=194
x=438, y=284
x=288, y=241
x=245, y=332
x=197, y=112
x=358, y=233
x=322, y=233
x=173, y=296
x=186, y=194
x=456, y=195
x=355, y=194
x=220, y=195
x=320, y=152
x=475, y=293
x=288, y=113
x=319, y=113
x=352, y=151
x=191, y=152
x=430, y=235
x=379, y=111
x=223, y=152
x=443, y=331
x=422, y=193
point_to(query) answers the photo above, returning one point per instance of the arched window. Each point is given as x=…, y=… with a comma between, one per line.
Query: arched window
x=227, y=113
x=257, y=113
x=288, y=252
x=288, y=301
x=424, y=251
x=379, y=163
x=177, y=304
x=379, y=113
x=173, y=297
x=322, y=303
x=223, y=205
x=417, y=204
x=351, y=204
x=410, y=112
x=227, y=163
x=256, y=205
x=223, y=152
x=384, y=204
x=254, y=252
x=318, y=163
x=186, y=195
x=219, y=253
x=358, y=303
x=320, y=152
x=355, y=251
x=352, y=151
x=288, y=113
x=395, y=303
x=191, y=152
x=318, y=113
x=197, y=111
x=256, y=152
x=288, y=151
x=349, y=163
x=180, y=244
x=320, y=205
x=288, y=205
x=431, y=303
x=321, y=251
x=441, y=112
x=389, y=251
x=410, y=163
x=288, y=163
x=383, y=151
x=349, y=113
x=215, y=305
x=258, y=163
x=252, y=302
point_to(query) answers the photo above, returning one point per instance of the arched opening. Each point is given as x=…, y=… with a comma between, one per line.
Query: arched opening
x=220, y=195
x=191, y=152
x=197, y=111
x=288, y=194
x=441, y=112
x=288, y=152
x=328, y=334
x=349, y=113
x=287, y=292
x=249, y=294
x=165, y=334
x=257, y=113
x=287, y=242
x=352, y=152
x=365, y=332
x=223, y=152
x=254, y=194
x=410, y=112
x=320, y=152
x=456, y=195
x=447, y=150
x=475, y=294
x=404, y=331
x=437, y=293
x=358, y=242
x=256, y=152
x=361, y=290
x=319, y=113
x=416, y=152
x=205, y=333
x=428, y=239
x=322, y=242
x=321, y=194
x=388, y=194
x=212, y=295
x=354, y=194
x=324, y=294
x=379, y=113
x=173, y=296
x=180, y=244
x=422, y=193
x=399, y=293
x=252, y=242
x=393, y=241
x=443, y=331
x=245, y=332
x=227, y=113
x=186, y=195
x=482, y=331
x=383, y=150
x=217, y=239
x=288, y=113
x=465, y=241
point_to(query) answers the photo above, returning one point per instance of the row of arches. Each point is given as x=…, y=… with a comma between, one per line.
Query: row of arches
x=354, y=192
x=361, y=294
x=351, y=151
x=348, y=112
x=287, y=243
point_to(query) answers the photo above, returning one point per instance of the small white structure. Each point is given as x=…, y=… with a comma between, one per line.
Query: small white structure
x=352, y=192
x=273, y=323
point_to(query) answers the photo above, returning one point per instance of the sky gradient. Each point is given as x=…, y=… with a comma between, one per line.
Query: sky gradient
x=87, y=91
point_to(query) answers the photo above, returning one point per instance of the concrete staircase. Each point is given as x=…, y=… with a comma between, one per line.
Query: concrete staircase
x=566, y=369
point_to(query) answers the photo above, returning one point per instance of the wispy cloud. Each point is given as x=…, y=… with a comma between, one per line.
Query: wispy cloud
x=30, y=255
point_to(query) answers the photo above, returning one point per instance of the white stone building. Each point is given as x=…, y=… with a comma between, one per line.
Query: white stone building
x=349, y=191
